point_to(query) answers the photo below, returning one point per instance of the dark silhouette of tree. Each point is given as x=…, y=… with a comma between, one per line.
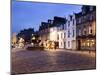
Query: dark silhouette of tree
x=26, y=34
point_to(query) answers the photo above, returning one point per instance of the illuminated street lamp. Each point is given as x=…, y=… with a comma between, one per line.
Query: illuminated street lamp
x=21, y=42
x=33, y=38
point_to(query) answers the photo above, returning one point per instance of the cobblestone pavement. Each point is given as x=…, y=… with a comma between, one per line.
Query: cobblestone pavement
x=24, y=61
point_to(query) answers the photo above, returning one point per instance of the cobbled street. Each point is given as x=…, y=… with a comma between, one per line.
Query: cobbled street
x=24, y=61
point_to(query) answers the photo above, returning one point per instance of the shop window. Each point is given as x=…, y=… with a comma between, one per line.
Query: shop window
x=83, y=43
x=92, y=43
x=88, y=44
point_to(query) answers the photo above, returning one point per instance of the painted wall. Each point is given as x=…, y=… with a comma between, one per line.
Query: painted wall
x=53, y=34
x=71, y=33
x=61, y=39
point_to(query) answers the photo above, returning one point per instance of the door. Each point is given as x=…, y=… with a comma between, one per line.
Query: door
x=64, y=44
x=79, y=44
x=73, y=44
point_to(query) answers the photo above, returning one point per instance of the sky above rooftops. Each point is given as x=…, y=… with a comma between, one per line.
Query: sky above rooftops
x=30, y=14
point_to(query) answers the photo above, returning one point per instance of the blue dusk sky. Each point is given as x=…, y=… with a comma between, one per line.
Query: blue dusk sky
x=31, y=14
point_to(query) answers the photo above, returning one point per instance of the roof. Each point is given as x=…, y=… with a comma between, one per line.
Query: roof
x=85, y=10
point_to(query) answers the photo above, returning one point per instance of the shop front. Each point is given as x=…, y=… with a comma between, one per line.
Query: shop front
x=86, y=43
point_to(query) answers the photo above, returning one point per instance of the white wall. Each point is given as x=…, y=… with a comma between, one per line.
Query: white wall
x=61, y=39
x=70, y=28
x=53, y=34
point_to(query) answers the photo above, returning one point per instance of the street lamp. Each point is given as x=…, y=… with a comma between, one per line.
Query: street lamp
x=33, y=38
x=21, y=42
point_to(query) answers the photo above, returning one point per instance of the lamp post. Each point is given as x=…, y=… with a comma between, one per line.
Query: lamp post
x=21, y=42
x=33, y=39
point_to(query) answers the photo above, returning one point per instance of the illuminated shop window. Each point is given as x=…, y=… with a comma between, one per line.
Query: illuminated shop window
x=88, y=43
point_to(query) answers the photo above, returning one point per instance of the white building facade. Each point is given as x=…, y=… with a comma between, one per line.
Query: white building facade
x=53, y=34
x=61, y=40
x=71, y=32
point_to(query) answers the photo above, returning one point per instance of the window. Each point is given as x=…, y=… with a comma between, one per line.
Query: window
x=91, y=17
x=64, y=35
x=91, y=31
x=57, y=37
x=71, y=18
x=68, y=23
x=84, y=18
x=61, y=35
x=64, y=44
x=83, y=10
x=91, y=8
x=79, y=20
x=73, y=21
x=73, y=33
x=63, y=26
x=84, y=32
x=53, y=29
x=58, y=28
x=68, y=43
x=79, y=33
x=61, y=43
x=68, y=33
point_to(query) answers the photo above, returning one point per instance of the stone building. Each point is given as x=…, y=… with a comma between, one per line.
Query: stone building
x=86, y=28
x=50, y=30
x=59, y=23
x=44, y=31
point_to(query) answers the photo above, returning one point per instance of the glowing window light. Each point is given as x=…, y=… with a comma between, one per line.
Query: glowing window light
x=88, y=44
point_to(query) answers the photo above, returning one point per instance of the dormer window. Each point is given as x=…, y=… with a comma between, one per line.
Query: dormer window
x=71, y=18
x=83, y=12
x=91, y=8
x=84, y=9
